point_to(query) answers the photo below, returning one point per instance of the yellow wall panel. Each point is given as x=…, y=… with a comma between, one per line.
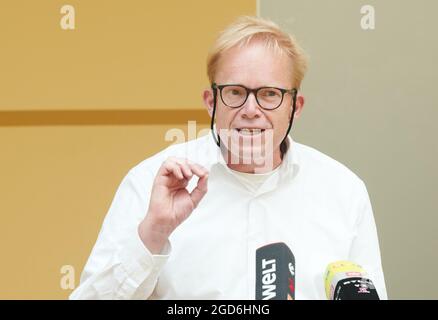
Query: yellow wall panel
x=133, y=54
x=56, y=186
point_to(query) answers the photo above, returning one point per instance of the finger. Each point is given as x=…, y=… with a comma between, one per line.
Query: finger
x=199, y=192
x=186, y=170
x=172, y=168
x=197, y=169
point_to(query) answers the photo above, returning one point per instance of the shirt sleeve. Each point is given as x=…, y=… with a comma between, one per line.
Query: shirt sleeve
x=120, y=266
x=365, y=249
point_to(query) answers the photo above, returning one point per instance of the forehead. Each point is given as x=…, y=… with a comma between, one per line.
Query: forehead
x=255, y=65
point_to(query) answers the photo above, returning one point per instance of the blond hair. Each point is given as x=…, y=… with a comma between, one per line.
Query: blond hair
x=247, y=28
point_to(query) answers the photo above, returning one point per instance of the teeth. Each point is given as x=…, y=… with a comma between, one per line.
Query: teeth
x=247, y=131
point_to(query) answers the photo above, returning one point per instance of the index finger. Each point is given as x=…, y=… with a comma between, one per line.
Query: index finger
x=197, y=169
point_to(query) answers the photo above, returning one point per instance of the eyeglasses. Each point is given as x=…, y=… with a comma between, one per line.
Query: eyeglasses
x=268, y=98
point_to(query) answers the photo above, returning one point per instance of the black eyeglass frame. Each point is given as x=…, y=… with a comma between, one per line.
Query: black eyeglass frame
x=283, y=91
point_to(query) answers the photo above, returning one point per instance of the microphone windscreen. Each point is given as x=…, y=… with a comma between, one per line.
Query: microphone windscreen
x=275, y=272
x=345, y=280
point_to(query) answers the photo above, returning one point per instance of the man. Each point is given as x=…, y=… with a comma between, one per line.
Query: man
x=186, y=223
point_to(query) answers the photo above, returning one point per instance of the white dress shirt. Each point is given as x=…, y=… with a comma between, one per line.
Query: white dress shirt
x=313, y=203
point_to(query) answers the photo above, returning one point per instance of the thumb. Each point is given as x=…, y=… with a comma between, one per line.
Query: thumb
x=201, y=189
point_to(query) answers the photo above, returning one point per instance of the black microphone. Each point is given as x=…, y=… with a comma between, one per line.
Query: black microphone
x=275, y=272
x=345, y=280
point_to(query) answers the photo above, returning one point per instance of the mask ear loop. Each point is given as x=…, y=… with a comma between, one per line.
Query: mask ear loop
x=294, y=99
x=216, y=139
x=283, y=145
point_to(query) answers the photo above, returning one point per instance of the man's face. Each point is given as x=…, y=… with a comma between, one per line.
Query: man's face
x=253, y=66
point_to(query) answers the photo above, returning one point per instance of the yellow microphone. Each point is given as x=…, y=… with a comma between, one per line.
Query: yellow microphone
x=345, y=280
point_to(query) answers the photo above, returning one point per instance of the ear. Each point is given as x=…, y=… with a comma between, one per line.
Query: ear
x=299, y=105
x=207, y=97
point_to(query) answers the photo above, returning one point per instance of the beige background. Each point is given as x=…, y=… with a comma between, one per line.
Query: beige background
x=68, y=134
x=372, y=105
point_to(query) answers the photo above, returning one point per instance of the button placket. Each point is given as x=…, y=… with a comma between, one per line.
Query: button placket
x=255, y=238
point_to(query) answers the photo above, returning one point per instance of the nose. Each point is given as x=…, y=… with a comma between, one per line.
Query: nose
x=251, y=109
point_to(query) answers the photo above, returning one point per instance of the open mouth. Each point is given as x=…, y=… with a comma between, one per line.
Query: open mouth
x=249, y=131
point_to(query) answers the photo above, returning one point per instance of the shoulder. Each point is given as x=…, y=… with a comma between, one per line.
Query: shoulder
x=325, y=169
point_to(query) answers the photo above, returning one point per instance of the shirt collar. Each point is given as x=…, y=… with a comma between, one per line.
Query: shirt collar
x=291, y=162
